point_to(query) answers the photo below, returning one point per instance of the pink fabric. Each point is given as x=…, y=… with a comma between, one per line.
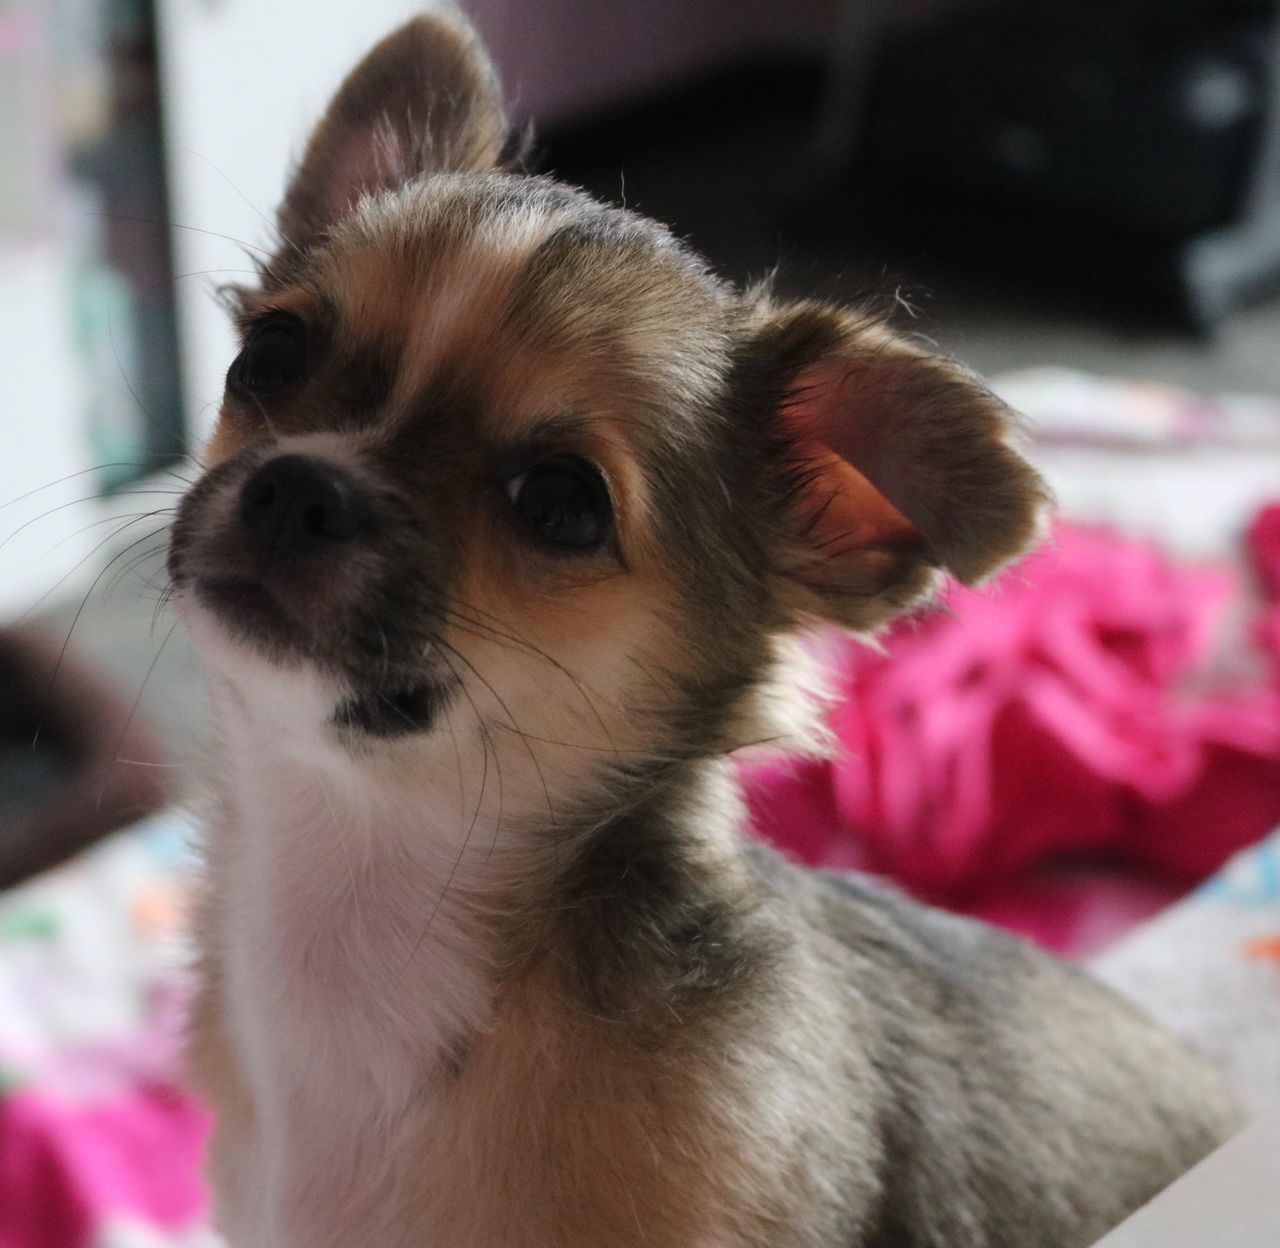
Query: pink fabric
x=1064, y=716
x=66, y=1168
x=1264, y=550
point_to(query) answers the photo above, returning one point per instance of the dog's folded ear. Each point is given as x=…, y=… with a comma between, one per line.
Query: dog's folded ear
x=424, y=100
x=885, y=464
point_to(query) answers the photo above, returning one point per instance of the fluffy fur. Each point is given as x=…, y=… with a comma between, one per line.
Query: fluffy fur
x=487, y=961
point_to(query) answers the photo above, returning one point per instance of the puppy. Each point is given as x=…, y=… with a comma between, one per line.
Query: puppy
x=513, y=515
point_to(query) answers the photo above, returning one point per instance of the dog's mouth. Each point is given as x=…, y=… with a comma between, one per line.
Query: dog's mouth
x=394, y=712
x=239, y=600
x=403, y=705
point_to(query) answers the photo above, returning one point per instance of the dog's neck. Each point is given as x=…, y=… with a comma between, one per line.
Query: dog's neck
x=375, y=930
x=374, y=902
x=363, y=912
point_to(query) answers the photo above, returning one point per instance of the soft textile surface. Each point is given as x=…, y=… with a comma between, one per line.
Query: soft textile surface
x=98, y=1149
x=1065, y=753
x=1210, y=970
x=1068, y=408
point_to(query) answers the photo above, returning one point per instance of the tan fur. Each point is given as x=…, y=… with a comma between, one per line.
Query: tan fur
x=600, y=645
x=562, y=1129
x=436, y=306
x=231, y=434
x=557, y=1134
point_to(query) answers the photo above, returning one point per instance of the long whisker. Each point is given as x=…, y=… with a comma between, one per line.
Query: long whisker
x=140, y=558
x=77, y=502
x=97, y=524
x=66, y=641
x=162, y=601
x=483, y=634
x=488, y=743
x=506, y=710
x=133, y=710
x=270, y=224
x=124, y=376
x=71, y=476
x=211, y=272
x=457, y=758
x=533, y=758
x=579, y=685
x=266, y=417
x=191, y=229
x=466, y=841
x=66, y=576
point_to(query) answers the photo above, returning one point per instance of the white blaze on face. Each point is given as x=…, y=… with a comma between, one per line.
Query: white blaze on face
x=437, y=308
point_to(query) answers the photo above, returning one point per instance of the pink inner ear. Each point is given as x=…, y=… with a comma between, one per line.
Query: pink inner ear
x=848, y=511
x=844, y=510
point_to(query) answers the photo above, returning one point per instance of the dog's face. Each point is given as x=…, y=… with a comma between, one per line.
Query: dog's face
x=497, y=457
x=447, y=449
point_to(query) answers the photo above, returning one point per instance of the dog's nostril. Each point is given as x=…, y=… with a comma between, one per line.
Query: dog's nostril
x=295, y=503
x=260, y=493
x=340, y=522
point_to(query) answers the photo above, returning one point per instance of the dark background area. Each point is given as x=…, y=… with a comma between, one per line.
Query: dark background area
x=1029, y=178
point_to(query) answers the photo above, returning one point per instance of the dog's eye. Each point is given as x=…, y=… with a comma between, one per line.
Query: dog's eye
x=564, y=501
x=274, y=357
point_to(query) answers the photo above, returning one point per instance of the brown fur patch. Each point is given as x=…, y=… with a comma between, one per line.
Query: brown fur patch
x=558, y=1130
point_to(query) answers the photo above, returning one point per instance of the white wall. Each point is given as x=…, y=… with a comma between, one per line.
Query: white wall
x=243, y=82
x=40, y=405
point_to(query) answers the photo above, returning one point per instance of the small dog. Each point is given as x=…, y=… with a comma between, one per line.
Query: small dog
x=513, y=516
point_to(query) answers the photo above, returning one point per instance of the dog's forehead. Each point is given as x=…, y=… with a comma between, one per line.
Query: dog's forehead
x=529, y=296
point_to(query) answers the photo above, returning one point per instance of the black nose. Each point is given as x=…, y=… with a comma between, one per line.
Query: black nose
x=295, y=503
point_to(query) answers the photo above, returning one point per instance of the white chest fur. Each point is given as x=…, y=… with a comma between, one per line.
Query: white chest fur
x=354, y=957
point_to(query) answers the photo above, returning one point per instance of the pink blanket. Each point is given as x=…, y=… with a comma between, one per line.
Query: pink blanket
x=1063, y=753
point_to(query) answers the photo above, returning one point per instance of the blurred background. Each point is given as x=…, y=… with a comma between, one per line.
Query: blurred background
x=1080, y=199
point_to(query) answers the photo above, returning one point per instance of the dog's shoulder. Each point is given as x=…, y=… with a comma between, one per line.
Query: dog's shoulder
x=997, y=1064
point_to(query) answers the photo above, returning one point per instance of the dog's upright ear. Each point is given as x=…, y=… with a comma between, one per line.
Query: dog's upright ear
x=884, y=464
x=424, y=100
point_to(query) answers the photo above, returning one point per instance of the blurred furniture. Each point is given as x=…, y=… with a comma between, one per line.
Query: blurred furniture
x=1136, y=134
x=76, y=760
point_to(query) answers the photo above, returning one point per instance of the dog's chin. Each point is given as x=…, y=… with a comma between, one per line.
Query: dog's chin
x=390, y=712
x=244, y=605
x=244, y=635
x=250, y=615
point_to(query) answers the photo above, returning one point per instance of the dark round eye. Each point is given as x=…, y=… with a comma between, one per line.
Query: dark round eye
x=564, y=501
x=274, y=357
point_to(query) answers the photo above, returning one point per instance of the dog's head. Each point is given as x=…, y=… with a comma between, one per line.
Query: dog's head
x=497, y=458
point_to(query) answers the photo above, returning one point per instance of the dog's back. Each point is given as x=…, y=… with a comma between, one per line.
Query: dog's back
x=1022, y=1104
